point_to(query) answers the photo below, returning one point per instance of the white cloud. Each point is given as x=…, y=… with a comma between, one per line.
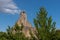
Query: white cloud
x=8, y=6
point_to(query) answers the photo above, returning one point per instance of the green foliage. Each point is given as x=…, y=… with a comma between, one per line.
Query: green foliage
x=58, y=34
x=18, y=28
x=19, y=34
x=10, y=36
x=32, y=36
x=44, y=26
x=3, y=36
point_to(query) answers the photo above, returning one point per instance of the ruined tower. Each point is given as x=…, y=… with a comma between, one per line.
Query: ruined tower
x=23, y=20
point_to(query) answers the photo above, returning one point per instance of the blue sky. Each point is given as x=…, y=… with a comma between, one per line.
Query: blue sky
x=10, y=9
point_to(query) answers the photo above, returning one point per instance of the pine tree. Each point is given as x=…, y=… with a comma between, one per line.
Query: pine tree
x=44, y=26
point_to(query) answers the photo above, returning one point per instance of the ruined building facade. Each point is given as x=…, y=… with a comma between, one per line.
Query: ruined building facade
x=27, y=26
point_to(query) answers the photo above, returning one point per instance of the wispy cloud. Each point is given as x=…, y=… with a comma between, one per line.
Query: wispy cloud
x=8, y=6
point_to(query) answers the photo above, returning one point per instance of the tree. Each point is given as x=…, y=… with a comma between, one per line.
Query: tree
x=18, y=35
x=3, y=36
x=58, y=34
x=44, y=26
